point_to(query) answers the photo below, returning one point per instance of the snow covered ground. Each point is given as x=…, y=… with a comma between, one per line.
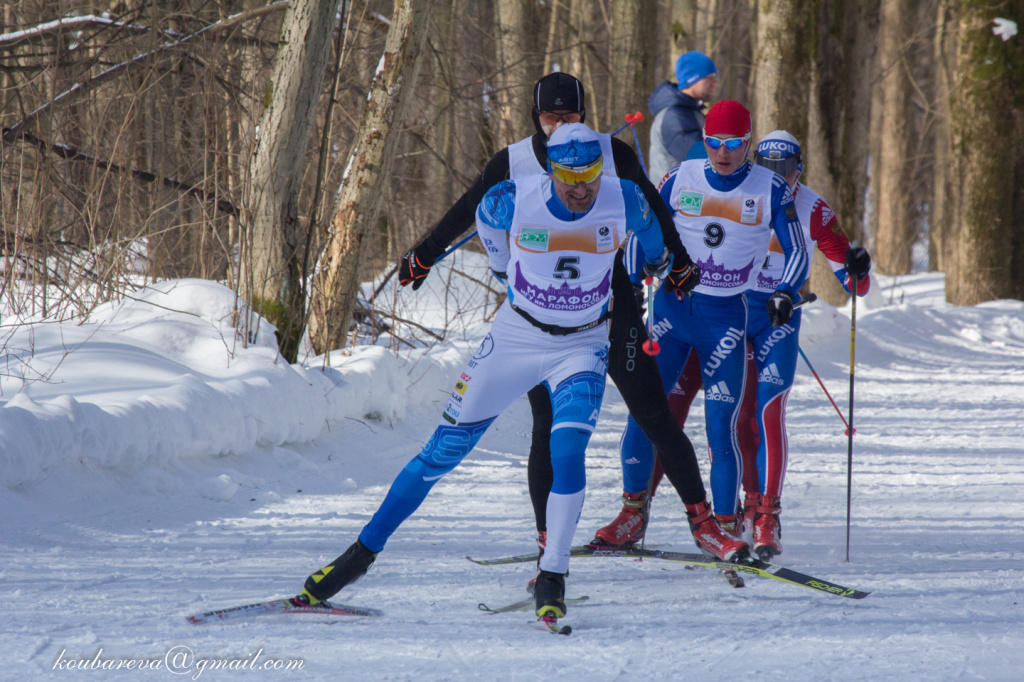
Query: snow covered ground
x=153, y=468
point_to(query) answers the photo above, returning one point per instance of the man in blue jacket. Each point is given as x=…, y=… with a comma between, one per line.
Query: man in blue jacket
x=678, y=121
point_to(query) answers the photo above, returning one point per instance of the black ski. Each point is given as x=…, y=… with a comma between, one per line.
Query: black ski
x=749, y=565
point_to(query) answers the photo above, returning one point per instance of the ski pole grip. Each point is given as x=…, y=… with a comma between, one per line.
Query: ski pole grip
x=811, y=298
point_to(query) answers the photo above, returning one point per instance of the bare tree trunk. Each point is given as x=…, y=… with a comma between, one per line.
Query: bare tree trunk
x=945, y=60
x=985, y=147
x=271, y=275
x=895, y=235
x=835, y=156
x=338, y=274
x=515, y=77
x=782, y=60
x=632, y=62
x=677, y=35
x=731, y=46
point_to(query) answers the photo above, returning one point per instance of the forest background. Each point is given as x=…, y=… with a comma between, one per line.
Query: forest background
x=295, y=149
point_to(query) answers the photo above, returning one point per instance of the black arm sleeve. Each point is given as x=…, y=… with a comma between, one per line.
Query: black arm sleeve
x=638, y=379
x=628, y=167
x=461, y=216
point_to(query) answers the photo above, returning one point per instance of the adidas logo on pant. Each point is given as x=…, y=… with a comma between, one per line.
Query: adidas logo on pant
x=770, y=375
x=719, y=392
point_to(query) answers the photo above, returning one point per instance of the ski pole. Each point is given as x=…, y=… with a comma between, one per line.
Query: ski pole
x=456, y=245
x=650, y=346
x=630, y=120
x=820, y=383
x=811, y=298
x=850, y=431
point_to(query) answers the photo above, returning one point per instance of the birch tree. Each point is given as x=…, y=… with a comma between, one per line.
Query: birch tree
x=338, y=273
x=272, y=267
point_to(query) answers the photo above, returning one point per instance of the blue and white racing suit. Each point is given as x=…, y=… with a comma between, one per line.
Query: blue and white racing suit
x=725, y=224
x=550, y=331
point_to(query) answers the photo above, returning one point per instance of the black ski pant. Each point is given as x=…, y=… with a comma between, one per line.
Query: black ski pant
x=636, y=375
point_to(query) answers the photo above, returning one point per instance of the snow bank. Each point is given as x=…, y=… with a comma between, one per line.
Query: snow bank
x=162, y=378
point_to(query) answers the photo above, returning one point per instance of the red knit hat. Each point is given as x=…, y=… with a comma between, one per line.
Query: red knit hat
x=727, y=117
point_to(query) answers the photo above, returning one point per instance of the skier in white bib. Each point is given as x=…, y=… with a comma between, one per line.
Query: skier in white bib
x=726, y=210
x=558, y=100
x=553, y=238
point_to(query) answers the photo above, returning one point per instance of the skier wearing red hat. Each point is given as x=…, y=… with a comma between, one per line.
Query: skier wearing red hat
x=726, y=210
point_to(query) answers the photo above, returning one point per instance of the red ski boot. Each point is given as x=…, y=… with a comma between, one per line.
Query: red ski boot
x=767, y=528
x=629, y=526
x=711, y=537
x=747, y=522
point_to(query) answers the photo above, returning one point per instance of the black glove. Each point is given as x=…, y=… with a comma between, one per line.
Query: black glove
x=780, y=308
x=858, y=262
x=416, y=264
x=683, y=277
x=658, y=266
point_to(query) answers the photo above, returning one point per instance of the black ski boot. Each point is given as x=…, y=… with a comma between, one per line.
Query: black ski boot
x=550, y=595
x=346, y=569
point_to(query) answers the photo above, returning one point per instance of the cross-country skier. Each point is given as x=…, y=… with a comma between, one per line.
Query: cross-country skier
x=554, y=238
x=775, y=350
x=677, y=108
x=772, y=353
x=559, y=98
x=726, y=211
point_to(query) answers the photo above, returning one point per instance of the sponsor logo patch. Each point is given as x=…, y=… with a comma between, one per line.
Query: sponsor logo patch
x=605, y=239
x=691, y=202
x=748, y=214
x=485, y=349
x=533, y=238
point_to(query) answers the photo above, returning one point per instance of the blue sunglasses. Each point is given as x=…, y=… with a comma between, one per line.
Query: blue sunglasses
x=732, y=143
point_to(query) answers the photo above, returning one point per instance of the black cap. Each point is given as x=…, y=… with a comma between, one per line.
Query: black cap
x=558, y=92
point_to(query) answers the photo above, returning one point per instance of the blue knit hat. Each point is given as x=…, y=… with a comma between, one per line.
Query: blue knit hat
x=691, y=67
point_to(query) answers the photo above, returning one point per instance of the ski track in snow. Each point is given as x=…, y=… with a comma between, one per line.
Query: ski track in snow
x=112, y=558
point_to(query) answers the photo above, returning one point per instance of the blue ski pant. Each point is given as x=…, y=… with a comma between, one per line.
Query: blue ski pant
x=513, y=358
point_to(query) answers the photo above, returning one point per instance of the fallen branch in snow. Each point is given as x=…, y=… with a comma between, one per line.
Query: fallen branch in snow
x=366, y=312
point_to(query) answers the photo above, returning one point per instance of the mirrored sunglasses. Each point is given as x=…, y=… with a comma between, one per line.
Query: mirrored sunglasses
x=731, y=143
x=574, y=176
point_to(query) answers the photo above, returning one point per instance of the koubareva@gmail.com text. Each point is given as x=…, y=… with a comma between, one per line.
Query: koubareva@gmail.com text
x=179, y=660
